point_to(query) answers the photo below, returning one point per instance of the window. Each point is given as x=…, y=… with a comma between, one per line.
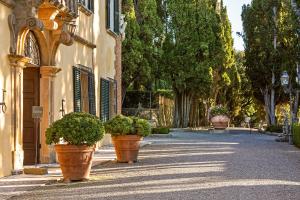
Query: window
x=31, y=49
x=89, y=4
x=108, y=99
x=113, y=15
x=84, y=90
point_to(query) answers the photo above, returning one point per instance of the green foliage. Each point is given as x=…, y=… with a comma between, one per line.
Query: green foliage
x=274, y=128
x=261, y=57
x=119, y=125
x=165, y=93
x=161, y=130
x=141, y=50
x=189, y=47
x=296, y=135
x=218, y=110
x=122, y=125
x=76, y=129
x=142, y=127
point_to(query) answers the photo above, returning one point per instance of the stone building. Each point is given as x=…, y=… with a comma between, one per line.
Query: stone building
x=61, y=55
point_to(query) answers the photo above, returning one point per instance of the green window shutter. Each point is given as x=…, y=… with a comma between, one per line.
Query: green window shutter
x=116, y=95
x=92, y=5
x=77, y=89
x=91, y=90
x=117, y=17
x=104, y=100
x=108, y=13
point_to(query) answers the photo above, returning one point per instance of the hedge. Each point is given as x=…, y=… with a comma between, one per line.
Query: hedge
x=296, y=135
x=274, y=128
x=160, y=130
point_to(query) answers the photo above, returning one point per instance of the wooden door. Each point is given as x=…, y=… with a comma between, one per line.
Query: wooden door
x=31, y=88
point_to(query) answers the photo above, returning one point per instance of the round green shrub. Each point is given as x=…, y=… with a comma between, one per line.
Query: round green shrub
x=122, y=125
x=142, y=127
x=76, y=129
x=218, y=110
x=119, y=125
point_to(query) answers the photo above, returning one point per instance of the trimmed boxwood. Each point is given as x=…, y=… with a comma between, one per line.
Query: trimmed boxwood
x=76, y=129
x=122, y=125
x=161, y=130
x=296, y=135
x=274, y=128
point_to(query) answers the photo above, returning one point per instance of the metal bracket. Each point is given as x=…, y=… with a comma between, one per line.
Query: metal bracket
x=3, y=106
x=62, y=110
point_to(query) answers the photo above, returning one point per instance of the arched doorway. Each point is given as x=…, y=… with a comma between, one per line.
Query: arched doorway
x=31, y=97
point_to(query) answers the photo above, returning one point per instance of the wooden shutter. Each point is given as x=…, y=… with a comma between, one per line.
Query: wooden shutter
x=85, y=92
x=108, y=13
x=92, y=100
x=111, y=99
x=104, y=100
x=77, y=89
x=117, y=17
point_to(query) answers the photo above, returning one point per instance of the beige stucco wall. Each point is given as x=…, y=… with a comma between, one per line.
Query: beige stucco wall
x=6, y=141
x=104, y=54
x=102, y=58
x=66, y=58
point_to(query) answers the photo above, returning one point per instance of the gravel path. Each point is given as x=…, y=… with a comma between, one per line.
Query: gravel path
x=198, y=166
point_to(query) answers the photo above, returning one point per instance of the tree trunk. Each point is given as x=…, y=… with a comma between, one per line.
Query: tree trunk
x=266, y=95
x=295, y=106
x=272, y=104
x=183, y=103
x=195, y=113
x=124, y=91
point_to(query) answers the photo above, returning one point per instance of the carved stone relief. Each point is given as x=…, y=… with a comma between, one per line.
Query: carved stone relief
x=48, y=18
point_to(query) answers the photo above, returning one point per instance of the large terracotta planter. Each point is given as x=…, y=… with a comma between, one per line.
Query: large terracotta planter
x=220, y=121
x=75, y=161
x=127, y=147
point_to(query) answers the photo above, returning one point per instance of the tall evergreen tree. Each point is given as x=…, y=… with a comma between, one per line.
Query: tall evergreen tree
x=270, y=46
x=190, y=53
x=142, y=47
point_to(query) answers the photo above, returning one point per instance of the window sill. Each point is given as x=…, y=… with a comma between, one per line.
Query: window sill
x=85, y=10
x=112, y=33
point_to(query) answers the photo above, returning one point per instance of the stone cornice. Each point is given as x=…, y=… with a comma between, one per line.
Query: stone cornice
x=9, y=3
x=83, y=9
x=49, y=71
x=83, y=41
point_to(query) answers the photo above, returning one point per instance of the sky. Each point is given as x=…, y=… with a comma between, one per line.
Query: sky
x=234, y=9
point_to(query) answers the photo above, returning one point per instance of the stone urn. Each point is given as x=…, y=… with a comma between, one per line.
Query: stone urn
x=220, y=121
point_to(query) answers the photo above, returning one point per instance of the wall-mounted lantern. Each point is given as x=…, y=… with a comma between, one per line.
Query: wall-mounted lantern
x=62, y=110
x=3, y=106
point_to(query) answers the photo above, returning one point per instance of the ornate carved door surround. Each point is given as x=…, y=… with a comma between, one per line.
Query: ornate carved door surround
x=50, y=22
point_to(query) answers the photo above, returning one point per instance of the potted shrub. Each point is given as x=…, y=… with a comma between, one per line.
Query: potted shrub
x=126, y=135
x=79, y=133
x=219, y=118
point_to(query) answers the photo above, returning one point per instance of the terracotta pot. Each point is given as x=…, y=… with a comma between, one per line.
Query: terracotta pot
x=75, y=161
x=127, y=147
x=220, y=121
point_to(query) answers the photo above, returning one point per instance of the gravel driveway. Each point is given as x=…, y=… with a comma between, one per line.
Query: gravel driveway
x=230, y=166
